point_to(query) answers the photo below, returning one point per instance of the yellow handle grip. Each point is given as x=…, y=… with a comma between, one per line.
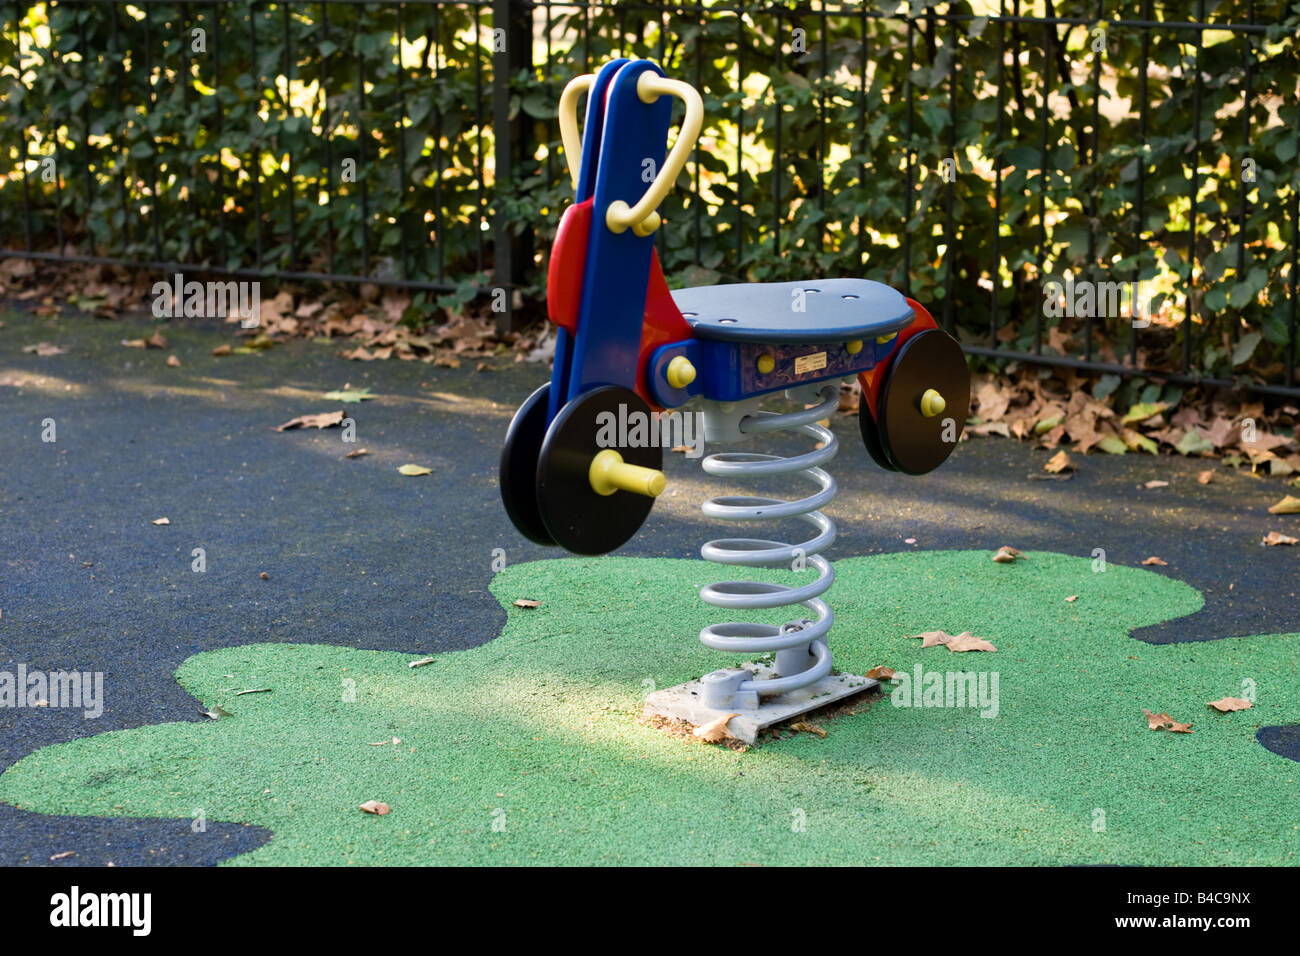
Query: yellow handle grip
x=642, y=217
x=570, y=133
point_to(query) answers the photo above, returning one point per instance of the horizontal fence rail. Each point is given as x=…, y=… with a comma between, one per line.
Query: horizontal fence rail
x=1103, y=186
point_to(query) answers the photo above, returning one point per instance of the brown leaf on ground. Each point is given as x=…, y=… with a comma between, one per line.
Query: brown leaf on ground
x=1290, y=505
x=1007, y=554
x=1165, y=722
x=966, y=641
x=63, y=856
x=1227, y=704
x=221, y=350
x=808, y=727
x=135, y=344
x=957, y=643
x=356, y=453
x=173, y=362
x=156, y=341
x=1156, y=561
x=44, y=348
x=714, y=730
x=524, y=602
x=161, y=521
x=880, y=672
x=1058, y=463
x=1274, y=538
x=323, y=420
x=931, y=638
x=1156, y=483
x=1071, y=599
x=375, y=807
x=1205, y=477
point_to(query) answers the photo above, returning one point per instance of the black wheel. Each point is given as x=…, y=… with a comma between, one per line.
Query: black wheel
x=914, y=442
x=576, y=516
x=871, y=436
x=518, y=470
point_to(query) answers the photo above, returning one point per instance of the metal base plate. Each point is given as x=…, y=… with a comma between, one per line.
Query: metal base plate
x=685, y=702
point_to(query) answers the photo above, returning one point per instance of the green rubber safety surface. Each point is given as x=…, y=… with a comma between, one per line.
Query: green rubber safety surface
x=527, y=749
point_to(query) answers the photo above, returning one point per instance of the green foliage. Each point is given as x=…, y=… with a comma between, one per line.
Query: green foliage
x=822, y=150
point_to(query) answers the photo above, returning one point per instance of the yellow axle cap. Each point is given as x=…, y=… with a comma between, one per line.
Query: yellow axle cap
x=610, y=473
x=932, y=403
x=680, y=372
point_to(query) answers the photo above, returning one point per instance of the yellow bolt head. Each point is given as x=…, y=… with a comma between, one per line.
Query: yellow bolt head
x=882, y=339
x=766, y=363
x=680, y=372
x=854, y=347
x=932, y=403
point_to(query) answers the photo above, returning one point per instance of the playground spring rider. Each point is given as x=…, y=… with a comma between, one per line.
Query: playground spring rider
x=624, y=339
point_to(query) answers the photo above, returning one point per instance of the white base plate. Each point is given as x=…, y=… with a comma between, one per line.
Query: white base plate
x=686, y=702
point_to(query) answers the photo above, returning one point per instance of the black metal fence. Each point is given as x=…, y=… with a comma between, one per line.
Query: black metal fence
x=966, y=152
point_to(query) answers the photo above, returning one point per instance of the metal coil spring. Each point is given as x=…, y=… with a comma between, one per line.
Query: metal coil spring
x=802, y=657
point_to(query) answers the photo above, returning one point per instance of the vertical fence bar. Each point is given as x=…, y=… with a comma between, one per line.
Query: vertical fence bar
x=402, y=185
x=155, y=213
x=327, y=131
x=53, y=51
x=84, y=50
x=22, y=138
x=1092, y=181
x=996, y=271
x=863, y=146
x=439, y=248
x=1195, y=188
x=776, y=155
x=740, y=140
x=949, y=238
x=512, y=251
x=287, y=67
x=1143, y=107
x=821, y=134
x=223, y=241
x=480, y=197
x=256, y=164
x=908, y=181
x=1049, y=33
x=697, y=200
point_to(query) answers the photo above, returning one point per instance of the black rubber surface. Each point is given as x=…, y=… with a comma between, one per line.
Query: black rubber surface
x=359, y=556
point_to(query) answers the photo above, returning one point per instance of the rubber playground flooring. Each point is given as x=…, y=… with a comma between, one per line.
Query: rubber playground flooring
x=520, y=742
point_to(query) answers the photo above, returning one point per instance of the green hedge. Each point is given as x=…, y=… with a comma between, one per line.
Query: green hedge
x=834, y=200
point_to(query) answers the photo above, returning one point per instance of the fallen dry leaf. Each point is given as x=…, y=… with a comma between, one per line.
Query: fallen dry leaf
x=714, y=730
x=1154, y=560
x=375, y=807
x=957, y=643
x=1071, y=599
x=1226, y=704
x=322, y=420
x=1156, y=483
x=681, y=449
x=156, y=341
x=1165, y=722
x=1290, y=505
x=412, y=471
x=173, y=362
x=422, y=662
x=966, y=641
x=221, y=350
x=525, y=602
x=356, y=453
x=1058, y=463
x=162, y=521
x=264, y=576
x=384, y=743
x=45, y=348
x=1007, y=554
x=808, y=727
x=881, y=672
x=1204, y=477
x=63, y=856
x=1274, y=538
x=135, y=343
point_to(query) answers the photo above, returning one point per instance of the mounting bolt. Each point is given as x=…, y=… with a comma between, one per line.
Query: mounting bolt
x=765, y=364
x=932, y=403
x=854, y=347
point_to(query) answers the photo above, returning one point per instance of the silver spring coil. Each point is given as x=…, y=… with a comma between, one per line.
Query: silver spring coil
x=802, y=656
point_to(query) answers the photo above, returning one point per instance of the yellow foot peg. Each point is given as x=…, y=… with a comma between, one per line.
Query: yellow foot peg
x=610, y=473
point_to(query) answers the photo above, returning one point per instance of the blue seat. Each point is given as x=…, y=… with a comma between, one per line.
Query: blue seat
x=834, y=310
